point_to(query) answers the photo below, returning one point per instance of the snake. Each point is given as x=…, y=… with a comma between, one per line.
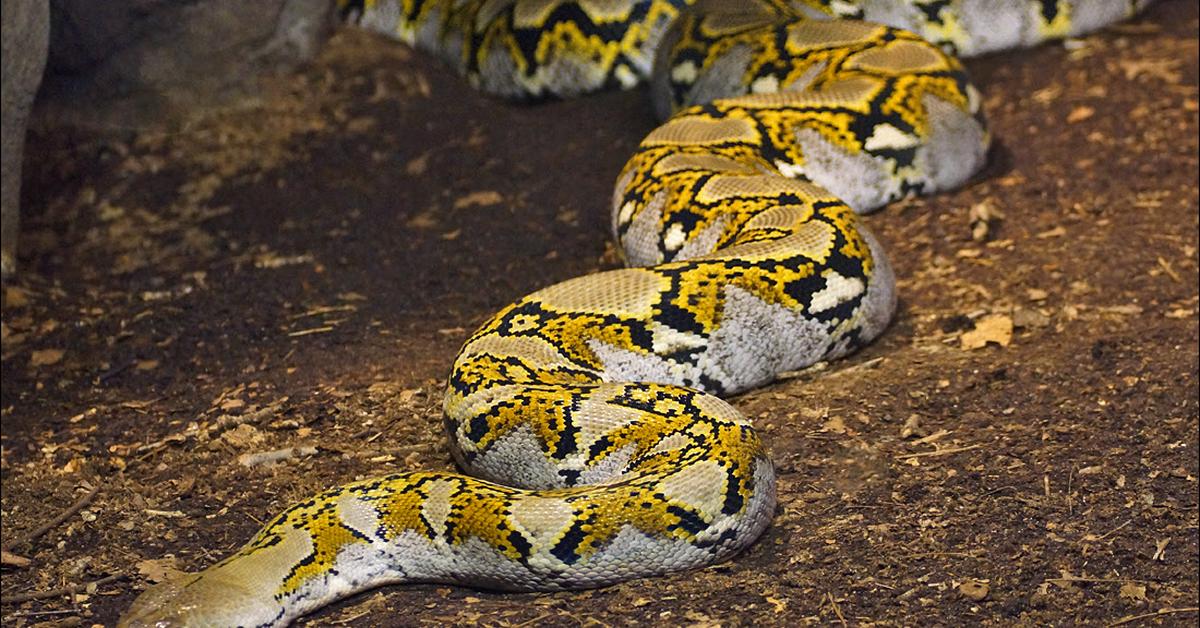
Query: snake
x=588, y=416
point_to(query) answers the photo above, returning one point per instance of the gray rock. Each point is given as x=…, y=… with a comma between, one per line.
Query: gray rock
x=134, y=64
x=130, y=64
x=24, y=31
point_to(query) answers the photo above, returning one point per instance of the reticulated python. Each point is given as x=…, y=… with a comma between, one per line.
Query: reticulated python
x=586, y=413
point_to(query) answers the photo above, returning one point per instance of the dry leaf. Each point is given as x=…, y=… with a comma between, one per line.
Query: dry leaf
x=158, y=569
x=243, y=436
x=1165, y=69
x=15, y=297
x=996, y=328
x=1133, y=592
x=835, y=425
x=1160, y=549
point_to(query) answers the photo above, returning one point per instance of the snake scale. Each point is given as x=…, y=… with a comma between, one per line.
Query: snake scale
x=588, y=414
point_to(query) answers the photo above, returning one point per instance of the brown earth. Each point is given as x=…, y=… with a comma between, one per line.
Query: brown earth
x=300, y=273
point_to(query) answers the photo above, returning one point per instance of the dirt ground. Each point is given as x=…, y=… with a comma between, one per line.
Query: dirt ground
x=300, y=273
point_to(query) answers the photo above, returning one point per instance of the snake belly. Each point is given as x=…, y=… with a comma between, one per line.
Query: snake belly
x=587, y=416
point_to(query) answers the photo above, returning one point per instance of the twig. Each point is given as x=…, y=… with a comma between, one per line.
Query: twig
x=233, y=420
x=997, y=490
x=63, y=516
x=268, y=457
x=1110, y=532
x=1166, y=266
x=872, y=363
x=957, y=554
x=1070, y=579
x=1162, y=611
x=530, y=622
x=67, y=590
x=836, y=610
x=13, y=560
x=65, y=611
x=822, y=365
x=222, y=423
x=314, y=330
x=115, y=371
x=1070, y=502
x=938, y=435
x=346, y=620
x=324, y=309
x=939, y=452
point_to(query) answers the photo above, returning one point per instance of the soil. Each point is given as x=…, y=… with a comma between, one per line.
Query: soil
x=1019, y=447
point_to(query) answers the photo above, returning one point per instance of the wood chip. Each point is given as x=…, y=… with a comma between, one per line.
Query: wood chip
x=173, y=514
x=1056, y=232
x=417, y=166
x=479, y=199
x=1079, y=114
x=46, y=357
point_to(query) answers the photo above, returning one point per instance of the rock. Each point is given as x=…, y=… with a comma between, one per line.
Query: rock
x=137, y=63
x=25, y=31
x=974, y=590
x=1023, y=318
x=123, y=65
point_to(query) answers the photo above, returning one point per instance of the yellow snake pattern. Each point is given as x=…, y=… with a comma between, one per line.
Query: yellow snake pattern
x=588, y=413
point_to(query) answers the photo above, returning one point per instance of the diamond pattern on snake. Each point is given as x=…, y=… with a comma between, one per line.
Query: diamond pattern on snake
x=587, y=417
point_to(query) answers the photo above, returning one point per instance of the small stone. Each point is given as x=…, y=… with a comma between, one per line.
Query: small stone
x=974, y=590
x=1027, y=319
x=912, y=427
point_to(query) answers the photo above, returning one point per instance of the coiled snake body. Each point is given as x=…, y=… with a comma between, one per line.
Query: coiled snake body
x=587, y=413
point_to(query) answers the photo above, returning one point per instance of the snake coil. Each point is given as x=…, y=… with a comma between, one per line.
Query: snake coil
x=587, y=414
